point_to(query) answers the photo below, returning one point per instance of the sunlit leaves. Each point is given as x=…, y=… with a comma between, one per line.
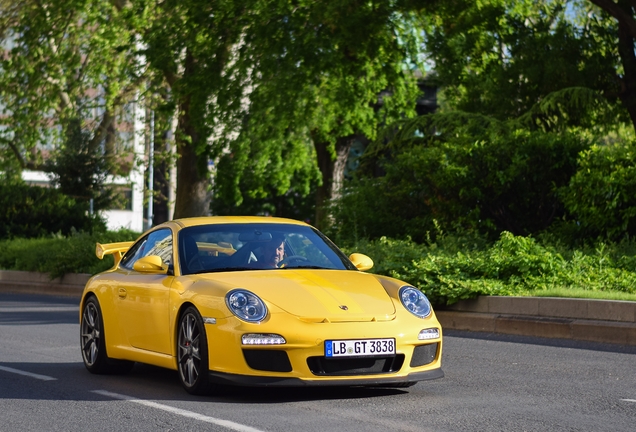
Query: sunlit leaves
x=502, y=57
x=67, y=60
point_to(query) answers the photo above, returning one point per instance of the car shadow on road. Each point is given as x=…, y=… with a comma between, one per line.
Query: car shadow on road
x=152, y=376
x=73, y=382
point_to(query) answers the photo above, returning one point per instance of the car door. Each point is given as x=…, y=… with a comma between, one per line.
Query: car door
x=143, y=299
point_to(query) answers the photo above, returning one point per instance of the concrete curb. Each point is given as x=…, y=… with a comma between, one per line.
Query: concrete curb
x=577, y=319
x=70, y=285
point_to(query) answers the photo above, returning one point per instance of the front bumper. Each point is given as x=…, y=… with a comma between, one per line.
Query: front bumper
x=301, y=360
x=265, y=381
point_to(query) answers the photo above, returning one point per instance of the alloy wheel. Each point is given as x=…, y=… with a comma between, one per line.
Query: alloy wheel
x=90, y=334
x=189, y=355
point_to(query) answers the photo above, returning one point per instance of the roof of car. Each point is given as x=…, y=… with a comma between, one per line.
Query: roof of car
x=195, y=221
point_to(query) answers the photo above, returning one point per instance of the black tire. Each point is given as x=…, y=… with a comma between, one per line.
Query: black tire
x=192, y=353
x=93, y=342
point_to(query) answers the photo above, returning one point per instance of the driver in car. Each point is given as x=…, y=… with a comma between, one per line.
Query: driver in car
x=273, y=253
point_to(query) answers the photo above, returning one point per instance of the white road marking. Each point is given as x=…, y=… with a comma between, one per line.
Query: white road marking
x=41, y=309
x=220, y=422
x=29, y=374
x=629, y=400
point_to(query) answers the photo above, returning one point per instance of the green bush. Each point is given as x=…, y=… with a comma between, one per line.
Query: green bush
x=448, y=269
x=601, y=197
x=60, y=255
x=457, y=268
x=32, y=211
x=501, y=182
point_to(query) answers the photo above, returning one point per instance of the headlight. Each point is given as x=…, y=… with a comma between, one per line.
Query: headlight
x=246, y=305
x=415, y=301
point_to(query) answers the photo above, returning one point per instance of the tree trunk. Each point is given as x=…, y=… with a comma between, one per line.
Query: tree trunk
x=332, y=167
x=628, y=59
x=193, y=198
x=623, y=12
x=193, y=178
x=162, y=179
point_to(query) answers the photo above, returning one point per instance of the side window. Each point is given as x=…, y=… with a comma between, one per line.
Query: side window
x=156, y=243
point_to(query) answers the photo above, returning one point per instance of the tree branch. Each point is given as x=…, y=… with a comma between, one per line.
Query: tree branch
x=24, y=164
x=101, y=130
x=108, y=118
x=120, y=4
x=622, y=16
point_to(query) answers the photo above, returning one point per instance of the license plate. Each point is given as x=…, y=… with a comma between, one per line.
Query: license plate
x=359, y=347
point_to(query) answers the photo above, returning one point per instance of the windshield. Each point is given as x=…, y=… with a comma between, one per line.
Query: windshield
x=236, y=247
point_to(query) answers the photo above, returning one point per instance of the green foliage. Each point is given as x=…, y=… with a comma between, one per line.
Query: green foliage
x=79, y=170
x=66, y=59
x=494, y=181
x=31, y=211
x=501, y=57
x=266, y=176
x=455, y=268
x=291, y=203
x=58, y=255
x=320, y=71
x=601, y=196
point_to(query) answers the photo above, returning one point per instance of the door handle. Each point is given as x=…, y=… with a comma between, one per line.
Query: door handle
x=122, y=292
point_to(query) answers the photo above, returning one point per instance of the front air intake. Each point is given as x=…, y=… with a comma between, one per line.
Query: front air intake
x=355, y=366
x=424, y=354
x=267, y=360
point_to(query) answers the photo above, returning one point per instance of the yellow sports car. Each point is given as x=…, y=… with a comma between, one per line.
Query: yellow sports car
x=255, y=301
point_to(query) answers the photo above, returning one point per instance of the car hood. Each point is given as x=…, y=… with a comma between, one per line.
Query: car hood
x=317, y=295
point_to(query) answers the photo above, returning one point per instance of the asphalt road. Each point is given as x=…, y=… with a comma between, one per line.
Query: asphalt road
x=492, y=383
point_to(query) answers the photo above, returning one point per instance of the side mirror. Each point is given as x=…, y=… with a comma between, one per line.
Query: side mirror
x=361, y=261
x=152, y=264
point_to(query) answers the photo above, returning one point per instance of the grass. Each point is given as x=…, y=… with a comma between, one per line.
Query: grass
x=581, y=293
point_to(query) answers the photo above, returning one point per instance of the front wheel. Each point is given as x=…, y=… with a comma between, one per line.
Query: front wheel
x=192, y=353
x=93, y=342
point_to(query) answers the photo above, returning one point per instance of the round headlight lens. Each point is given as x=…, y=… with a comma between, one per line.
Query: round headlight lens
x=415, y=301
x=246, y=305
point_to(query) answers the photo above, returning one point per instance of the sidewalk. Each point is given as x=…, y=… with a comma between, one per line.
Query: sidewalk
x=577, y=319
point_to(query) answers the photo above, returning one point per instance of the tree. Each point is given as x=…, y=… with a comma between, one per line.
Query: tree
x=192, y=48
x=624, y=12
x=502, y=57
x=80, y=172
x=65, y=61
x=324, y=74
x=529, y=87
x=475, y=174
x=217, y=65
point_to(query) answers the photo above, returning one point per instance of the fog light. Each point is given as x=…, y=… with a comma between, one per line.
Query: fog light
x=263, y=339
x=431, y=333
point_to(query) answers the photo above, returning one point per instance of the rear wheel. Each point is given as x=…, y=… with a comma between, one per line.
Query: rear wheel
x=93, y=342
x=192, y=353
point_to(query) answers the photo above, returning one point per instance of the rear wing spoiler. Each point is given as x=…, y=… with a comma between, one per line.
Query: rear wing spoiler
x=115, y=249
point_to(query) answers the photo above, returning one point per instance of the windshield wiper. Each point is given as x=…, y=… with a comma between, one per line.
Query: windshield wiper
x=306, y=267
